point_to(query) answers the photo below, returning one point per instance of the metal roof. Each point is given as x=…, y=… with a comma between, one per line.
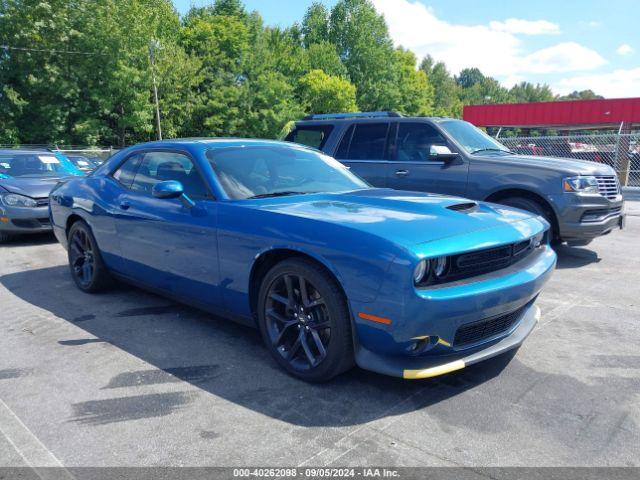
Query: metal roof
x=601, y=113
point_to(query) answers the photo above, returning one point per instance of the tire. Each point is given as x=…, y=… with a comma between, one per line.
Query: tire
x=85, y=262
x=533, y=207
x=291, y=328
x=4, y=237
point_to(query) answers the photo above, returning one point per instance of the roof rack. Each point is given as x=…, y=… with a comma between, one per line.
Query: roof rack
x=339, y=116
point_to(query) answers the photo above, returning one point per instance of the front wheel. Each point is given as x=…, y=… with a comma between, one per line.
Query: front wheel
x=85, y=262
x=304, y=321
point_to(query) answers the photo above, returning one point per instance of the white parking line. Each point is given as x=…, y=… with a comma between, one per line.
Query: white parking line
x=32, y=450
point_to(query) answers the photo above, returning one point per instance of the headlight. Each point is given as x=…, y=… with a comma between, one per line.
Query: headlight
x=586, y=184
x=20, y=201
x=440, y=265
x=421, y=271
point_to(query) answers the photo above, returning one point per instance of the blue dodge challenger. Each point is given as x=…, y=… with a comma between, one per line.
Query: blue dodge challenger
x=332, y=271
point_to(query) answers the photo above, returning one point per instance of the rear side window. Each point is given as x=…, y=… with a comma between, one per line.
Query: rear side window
x=311, y=136
x=367, y=142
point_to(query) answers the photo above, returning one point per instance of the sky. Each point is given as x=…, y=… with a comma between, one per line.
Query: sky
x=567, y=44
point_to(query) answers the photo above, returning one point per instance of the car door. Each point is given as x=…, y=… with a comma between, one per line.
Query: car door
x=163, y=242
x=414, y=168
x=363, y=149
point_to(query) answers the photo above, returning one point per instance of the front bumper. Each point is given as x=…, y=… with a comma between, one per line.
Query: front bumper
x=421, y=367
x=24, y=220
x=427, y=333
x=581, y=218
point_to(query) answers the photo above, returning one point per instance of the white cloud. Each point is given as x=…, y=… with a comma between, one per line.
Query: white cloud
x=625, y=49
x=616, y=84
x=526, y=27
x=563, y=57
x=496, y=51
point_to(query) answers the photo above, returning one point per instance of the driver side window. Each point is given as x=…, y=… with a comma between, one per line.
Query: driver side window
x=415, y=141
x=158, y=167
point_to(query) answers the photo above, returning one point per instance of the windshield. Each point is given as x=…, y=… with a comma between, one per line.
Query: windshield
x=45, y=164
x=275, y=170
x=472, y=139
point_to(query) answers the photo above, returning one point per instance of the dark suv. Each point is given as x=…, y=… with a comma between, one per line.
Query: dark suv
x=581, y=200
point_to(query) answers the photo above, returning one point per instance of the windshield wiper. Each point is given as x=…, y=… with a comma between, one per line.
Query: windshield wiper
x=491, y=150
x=277, y=194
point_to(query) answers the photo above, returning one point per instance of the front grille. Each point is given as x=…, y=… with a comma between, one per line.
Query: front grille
x=31, y=222
x=42, y=202
x=600, y=214
x=484, y=261
x=484, y=329
x=608, y=186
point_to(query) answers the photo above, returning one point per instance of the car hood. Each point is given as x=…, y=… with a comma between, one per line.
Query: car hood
x=31, y=187
x=571, y=166
x=406, y=218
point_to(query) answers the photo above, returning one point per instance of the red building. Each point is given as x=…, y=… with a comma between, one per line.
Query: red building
x=619, y=113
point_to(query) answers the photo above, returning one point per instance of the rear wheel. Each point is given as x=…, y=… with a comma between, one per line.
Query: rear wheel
x=533, y=207
x=304, y=321
x=85, y=262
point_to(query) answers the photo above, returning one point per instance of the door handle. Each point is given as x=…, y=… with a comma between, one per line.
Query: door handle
x=124, y=205
x=402, y=173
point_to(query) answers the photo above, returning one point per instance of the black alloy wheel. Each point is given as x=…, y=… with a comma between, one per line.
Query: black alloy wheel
x=81, y=257
x=298, y=321
x=85, y=262
x=304, y=320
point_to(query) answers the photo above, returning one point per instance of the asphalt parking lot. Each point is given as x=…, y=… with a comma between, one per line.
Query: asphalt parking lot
x=127, y=378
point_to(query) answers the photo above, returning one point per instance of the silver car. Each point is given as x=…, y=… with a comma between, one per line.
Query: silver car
x=26, y=178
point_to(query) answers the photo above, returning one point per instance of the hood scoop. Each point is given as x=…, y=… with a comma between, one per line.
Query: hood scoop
x=467, y=207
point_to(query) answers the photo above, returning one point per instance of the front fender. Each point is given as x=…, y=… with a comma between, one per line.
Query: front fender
x=359, y=261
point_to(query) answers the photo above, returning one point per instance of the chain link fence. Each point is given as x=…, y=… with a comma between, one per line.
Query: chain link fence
x=620, y=151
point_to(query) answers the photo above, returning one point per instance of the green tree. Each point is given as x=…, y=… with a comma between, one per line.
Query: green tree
x=446, y=92
x=322, y=93
x=365, y=47
x=323, y=56
x=39, y=85
x=581, y=95
x=415, y=93
x=526, y=92
x=315, y=25
x=477, y=89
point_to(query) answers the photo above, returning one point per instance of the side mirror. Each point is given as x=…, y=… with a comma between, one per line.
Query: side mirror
x=168, y=189
x=172, y=189
x=441, y=152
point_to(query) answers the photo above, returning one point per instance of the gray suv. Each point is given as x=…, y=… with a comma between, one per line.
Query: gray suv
x=580, y=199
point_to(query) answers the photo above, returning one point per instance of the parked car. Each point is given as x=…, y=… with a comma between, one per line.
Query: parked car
x=83, y=163
x=580, y=199
x=331, y=270
x=26, y=178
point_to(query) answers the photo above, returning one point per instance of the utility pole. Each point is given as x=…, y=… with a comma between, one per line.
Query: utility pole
x=153, y=46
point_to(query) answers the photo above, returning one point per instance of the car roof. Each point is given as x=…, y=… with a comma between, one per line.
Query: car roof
x=13, y=151
x=216, y=143
x=350, y=120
